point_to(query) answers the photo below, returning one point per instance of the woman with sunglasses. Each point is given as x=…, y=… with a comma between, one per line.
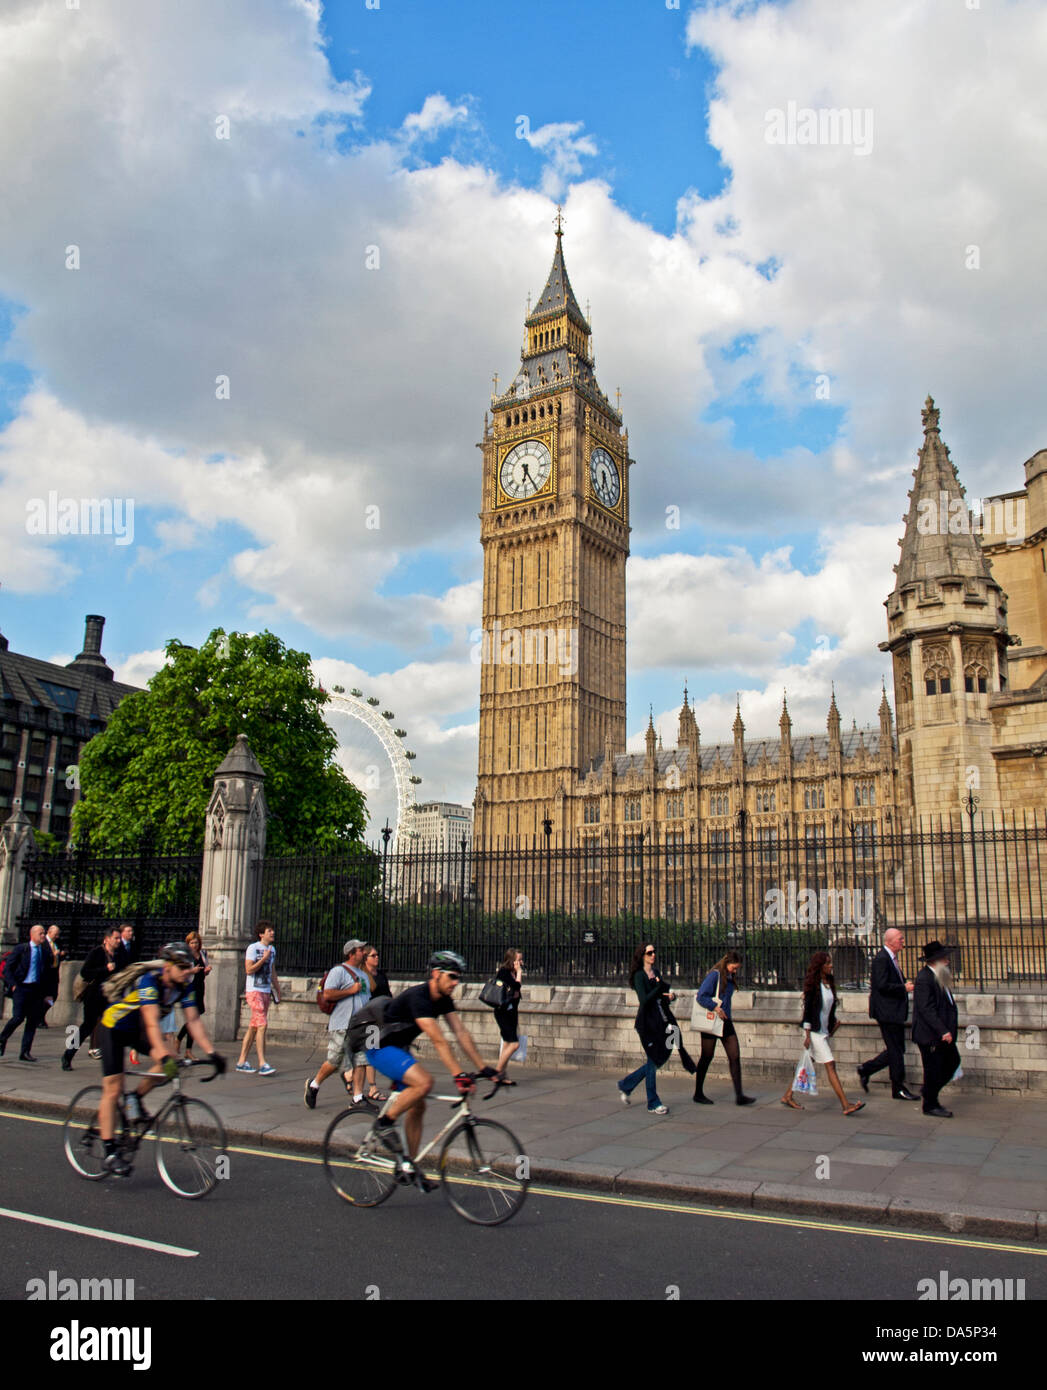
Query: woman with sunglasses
x=651, y=1026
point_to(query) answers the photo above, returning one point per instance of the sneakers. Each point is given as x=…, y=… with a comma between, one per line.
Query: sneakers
x=363, y=1104
x=311, y=1092
x=116, y=1164
x=657, y=1110
x=94, y=1052
x=244, y=1066
x=626, y=1097
x=267, y=1070
x=67, y=1059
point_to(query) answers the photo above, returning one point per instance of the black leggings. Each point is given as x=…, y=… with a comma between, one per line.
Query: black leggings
x=730, y=1046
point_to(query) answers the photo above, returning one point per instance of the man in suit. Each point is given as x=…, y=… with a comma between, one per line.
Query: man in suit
x=51, y=981
x=889, y=1004
x=28, y=966
x=935, y=1022
x=127, y=951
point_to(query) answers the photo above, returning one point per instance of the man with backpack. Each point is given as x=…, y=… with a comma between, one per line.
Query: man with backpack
x=387, y=1028
x=26, y=968
x=101, y=963
x=347, y=987
x=136, y=999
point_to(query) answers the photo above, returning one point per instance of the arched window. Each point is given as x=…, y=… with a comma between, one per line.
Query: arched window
x=975, y=679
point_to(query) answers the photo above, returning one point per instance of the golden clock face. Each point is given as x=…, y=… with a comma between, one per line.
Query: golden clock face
x=525, y=469
x=603, y=474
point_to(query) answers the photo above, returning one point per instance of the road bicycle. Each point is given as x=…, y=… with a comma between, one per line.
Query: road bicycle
x=190, y=1138
x=484, y=1173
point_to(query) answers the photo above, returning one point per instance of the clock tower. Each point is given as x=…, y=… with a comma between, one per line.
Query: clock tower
x=555, y=533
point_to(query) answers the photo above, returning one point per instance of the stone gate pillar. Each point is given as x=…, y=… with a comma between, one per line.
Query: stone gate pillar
x=231, y=884
x=16, y=840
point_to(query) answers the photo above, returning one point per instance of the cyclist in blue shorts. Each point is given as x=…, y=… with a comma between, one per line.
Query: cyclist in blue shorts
x=133, y=1021
x=416, y=1011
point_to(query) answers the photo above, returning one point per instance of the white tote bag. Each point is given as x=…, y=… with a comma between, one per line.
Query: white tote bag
x=704, y=1022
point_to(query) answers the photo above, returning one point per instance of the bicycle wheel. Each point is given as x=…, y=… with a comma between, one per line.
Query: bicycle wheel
x=190, y=1140
x=80, y=1137
x=358, y=1167
x=484, y=1172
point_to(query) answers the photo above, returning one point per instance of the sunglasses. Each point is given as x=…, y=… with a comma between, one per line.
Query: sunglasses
x=452, y=974
x=648, y=953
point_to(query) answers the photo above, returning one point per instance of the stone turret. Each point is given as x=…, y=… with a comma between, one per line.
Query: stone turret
x=946, y=619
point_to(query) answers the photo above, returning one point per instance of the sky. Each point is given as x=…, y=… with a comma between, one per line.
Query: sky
x=261, y=259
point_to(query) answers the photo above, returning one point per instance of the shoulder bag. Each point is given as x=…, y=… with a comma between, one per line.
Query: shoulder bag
x=702, y=1020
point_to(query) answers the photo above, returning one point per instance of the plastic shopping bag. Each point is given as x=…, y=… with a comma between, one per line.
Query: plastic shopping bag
x=520, y=1055
x=804, y=1080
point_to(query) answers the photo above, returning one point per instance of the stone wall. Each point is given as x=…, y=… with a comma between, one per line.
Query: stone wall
x=585, y=1026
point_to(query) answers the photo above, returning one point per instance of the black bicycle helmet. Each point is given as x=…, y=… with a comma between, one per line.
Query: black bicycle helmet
x=447, y=960
x=178, y=952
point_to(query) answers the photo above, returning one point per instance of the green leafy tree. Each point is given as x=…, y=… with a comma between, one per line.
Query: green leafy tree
x=151, y=771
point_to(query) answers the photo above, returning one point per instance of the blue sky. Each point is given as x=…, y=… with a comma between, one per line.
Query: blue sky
x=728, y=277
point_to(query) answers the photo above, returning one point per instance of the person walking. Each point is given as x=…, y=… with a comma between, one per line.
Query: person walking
x=261, y=983
x=127, y=951
x=651, y=1026
x=714, y=996
x=819, y=1024
x=379, y=988
x=507, y=1015
x=889, y=992
x=201, y=970
x=26, y=969
x=52, y=979
x=348, y=987
x=99, y=964
x=935, y=1023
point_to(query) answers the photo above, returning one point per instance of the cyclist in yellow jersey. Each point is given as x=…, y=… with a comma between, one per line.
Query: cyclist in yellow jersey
x=133, y=1021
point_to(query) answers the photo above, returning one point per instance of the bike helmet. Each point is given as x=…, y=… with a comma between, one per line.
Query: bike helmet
x=178, y=952
x=447, y=960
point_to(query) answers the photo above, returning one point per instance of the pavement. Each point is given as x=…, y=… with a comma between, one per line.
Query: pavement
x=983, y=1173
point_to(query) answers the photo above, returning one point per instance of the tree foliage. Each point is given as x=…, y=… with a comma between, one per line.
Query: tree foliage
x=151, y=771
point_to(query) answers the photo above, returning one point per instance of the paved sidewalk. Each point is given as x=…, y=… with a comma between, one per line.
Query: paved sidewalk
x=984, y=1172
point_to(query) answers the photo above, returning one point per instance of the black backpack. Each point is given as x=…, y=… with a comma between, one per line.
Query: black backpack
x=367, y=1027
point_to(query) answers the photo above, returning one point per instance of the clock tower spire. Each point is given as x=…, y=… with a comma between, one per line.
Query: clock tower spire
x=555, y=532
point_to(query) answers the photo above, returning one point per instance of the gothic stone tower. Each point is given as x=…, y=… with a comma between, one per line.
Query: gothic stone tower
x=555, y=534
x=947, y=635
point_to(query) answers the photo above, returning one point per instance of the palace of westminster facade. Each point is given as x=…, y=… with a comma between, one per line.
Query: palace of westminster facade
x=966, y=633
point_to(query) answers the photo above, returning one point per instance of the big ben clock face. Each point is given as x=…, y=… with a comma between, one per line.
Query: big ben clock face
x=525, y=469
x=603, y=473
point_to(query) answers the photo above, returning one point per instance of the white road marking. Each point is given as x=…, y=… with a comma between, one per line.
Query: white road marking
x=114, y=1236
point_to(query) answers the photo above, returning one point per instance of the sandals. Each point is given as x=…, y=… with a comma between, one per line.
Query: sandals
x=792, y=1104
x=503, y=1082
x=853, y=1110
x=377, y=1096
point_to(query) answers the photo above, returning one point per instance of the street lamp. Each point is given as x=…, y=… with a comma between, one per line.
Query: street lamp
x=547, y=826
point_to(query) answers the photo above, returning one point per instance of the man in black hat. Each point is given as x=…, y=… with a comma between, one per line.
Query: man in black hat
x=935, y=1022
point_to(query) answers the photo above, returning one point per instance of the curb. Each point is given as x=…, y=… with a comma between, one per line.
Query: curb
x=901, y=1213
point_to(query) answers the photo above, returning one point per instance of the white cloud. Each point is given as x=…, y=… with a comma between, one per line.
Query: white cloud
x=563, y=149
x=436, y=114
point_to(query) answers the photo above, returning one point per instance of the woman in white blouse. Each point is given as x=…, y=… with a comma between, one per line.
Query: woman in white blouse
x=819, y=1023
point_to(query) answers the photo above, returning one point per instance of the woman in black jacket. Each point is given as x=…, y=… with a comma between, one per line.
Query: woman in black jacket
x=819, y=1024
x=96, y=969
x=507, y=1015
x=652, y=1024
